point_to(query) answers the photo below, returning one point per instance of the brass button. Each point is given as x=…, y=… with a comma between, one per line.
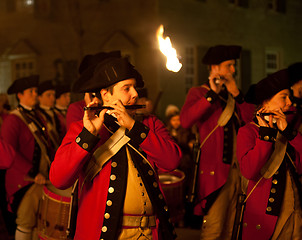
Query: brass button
x=212, y=173
x=112, y=177
x=266, y=138
x=150, y=172
x=107, y=215
x=78, y=139
x=226, y=129
x=166, y=208
x=143, y=135
x=277, y=172
x=109, y=203
x=258, y=226
x=271, y=199
x=85, y=145
x=275, y=181
x=111, y=190
x=43, y=128
x=209, y=99
x=160, y=196
x=273, y=190
x=104, y=229
x=114, y=164
x=268, y=209
x=201, y=172
x=155, y=184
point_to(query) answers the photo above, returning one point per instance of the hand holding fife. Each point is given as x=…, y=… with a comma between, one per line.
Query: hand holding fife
x=91, y=121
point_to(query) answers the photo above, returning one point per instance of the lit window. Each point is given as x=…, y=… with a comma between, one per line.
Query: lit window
x=272, y=61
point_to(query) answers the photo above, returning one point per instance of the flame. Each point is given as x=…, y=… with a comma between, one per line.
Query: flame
x=165, y=46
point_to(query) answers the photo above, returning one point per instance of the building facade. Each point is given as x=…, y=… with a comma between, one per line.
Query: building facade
x=50, y=37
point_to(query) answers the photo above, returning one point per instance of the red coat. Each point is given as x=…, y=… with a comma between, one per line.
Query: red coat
x=161, y=151
x=212, y=171
x=75, y=112
x=16, y=133
x=7, y=154
x=252, y=154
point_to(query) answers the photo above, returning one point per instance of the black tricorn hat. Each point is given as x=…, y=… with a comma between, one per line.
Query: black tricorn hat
x=92, y=60
x=20, y=84
x=268, y=87
x=61, y=89
x=295, y=73
x=220, y=53
x=105, y=74
x=44, y=86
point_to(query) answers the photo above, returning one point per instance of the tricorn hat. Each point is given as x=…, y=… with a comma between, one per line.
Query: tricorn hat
x=268, y=87
x=44, y=86
x=20, y=84
x=220, y=53
x=92, y=60
x=61, y=89
x=295, y=73
x=105, y=74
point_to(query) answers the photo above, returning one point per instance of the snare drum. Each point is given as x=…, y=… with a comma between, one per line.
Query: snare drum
x=172, y=184
x=53, y=213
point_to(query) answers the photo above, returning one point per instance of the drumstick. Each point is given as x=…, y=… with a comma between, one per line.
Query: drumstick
x=29, y=179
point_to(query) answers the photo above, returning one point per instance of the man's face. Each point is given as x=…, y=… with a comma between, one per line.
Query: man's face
x=279, y=101
x=226, y=68
x=47, y=98
x=124, y=91
x=297, y=89
x=29, y=97
x=64, y=99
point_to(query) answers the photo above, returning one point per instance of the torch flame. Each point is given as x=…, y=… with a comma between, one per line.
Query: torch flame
x=165, y=46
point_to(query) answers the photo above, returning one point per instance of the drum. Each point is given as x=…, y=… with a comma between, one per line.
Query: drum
x=53, y=214
x=172, y=184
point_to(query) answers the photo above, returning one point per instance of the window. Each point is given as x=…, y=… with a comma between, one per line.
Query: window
x=272, y=62
x=277, y=5
x=23, y=67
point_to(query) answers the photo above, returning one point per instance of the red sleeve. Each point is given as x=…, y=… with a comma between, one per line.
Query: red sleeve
x=252, y=153
x=297, y=144
x=14, y=132
x=7, y=154
x=69, y=159
x=75, y=112
x=160, y=147
x=195, y=107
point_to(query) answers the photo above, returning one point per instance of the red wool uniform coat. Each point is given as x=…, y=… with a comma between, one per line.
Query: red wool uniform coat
x=253, y=153
x=197, y=110
x=75, y=112
x=16, y=133
x=162, y=152
x=7, y=154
